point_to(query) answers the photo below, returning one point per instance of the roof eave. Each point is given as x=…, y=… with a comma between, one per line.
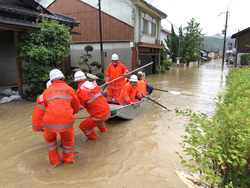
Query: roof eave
x=146, y=5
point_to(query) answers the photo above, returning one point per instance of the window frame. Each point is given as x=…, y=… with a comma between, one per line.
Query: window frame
x=151, y=21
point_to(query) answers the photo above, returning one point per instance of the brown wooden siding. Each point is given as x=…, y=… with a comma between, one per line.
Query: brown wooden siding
x=112, y=28
x=244, y=39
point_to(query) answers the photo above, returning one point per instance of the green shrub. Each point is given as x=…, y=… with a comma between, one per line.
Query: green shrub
x=157, y=70
x=244, y=59
x=43, y=50
x=219, y=146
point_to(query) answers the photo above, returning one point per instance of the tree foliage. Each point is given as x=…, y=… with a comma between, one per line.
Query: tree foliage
x=172, y=43
x=43, y=50
x=91, y=66
x=192, y=39
x=219, y=146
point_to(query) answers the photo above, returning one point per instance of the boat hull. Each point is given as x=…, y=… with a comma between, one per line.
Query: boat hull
x=129, y=111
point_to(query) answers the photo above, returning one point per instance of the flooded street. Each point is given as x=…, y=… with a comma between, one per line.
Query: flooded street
x=135, y=153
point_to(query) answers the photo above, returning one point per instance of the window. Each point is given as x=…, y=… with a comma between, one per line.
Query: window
x=148, y=24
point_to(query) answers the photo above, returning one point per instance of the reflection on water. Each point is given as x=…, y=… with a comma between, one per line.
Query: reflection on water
x=136, y=153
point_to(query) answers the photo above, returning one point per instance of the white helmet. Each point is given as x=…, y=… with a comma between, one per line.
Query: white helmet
x=48, y=84
x=133, y=78
x=140, y=72
x=55, y=74
x=79, y=76
x=114, y=57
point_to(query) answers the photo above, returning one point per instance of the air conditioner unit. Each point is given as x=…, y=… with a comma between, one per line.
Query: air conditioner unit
x=157, y=41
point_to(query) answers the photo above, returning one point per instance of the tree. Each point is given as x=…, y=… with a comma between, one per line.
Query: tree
x=86, y=57
x=43, y=50
x=192, y=39
x=91, y=66
x=172, y=43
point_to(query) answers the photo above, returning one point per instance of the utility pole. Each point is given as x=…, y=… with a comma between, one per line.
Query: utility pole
x=100, y=24
x=225, y=34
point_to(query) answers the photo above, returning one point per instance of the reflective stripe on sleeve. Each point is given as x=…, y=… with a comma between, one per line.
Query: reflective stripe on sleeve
x=120, y=87
x=41, y=106
x=58, y=126
x=59, y=97
x=93, y=98
x=96, y=119
x=111, y=87
x=37, y=128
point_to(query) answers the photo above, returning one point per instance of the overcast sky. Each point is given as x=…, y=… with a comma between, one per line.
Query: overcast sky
x=206, y=13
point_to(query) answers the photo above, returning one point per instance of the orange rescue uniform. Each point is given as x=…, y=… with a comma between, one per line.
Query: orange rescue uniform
x=114, y=88
x=37, y=116
x=141, y=87
x=143, y=79
x=91, y=98
x=128, y=94
x=61, y=103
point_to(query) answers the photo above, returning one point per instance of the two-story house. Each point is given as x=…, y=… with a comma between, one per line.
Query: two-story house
x=131, y=29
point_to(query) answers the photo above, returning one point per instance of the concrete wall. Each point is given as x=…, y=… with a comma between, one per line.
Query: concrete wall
x=121, y=48
x=238, y=59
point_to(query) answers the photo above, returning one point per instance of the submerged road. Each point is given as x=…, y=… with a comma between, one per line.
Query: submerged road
x=135, y=153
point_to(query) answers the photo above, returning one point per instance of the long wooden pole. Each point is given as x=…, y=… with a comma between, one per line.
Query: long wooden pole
x=156, y=102
x=127, y=74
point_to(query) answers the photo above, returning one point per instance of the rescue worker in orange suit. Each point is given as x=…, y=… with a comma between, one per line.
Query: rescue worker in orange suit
x=115, y=70
x=61, y=103
x=143, y=87
x=140, y=75
x=37, y=116
x=129, y=92
x=91, y=98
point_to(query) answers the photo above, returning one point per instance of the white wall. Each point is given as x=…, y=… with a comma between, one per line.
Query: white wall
x=121, y=48
x=116, y=8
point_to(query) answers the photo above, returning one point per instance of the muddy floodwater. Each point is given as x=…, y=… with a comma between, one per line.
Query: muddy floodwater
x=134, y=153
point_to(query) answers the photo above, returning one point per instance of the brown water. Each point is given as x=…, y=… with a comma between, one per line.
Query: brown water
x=136, y=153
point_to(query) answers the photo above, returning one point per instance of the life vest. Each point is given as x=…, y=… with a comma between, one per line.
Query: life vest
x=91, y=98
x=115, y=72
x=37, y=116
x=61, y=102
x=141, y=87
x=127, y=94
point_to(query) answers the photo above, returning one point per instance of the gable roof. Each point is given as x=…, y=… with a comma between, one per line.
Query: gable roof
x=23, y=14
x=240, y=32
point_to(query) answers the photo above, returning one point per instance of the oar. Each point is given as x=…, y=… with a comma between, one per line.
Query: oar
x=127, y=74
x=156, y=102
x=172, y=92
x=94, y=77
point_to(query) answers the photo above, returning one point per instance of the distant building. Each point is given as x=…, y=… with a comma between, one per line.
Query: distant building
x=242, y=39
x=204, y=55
